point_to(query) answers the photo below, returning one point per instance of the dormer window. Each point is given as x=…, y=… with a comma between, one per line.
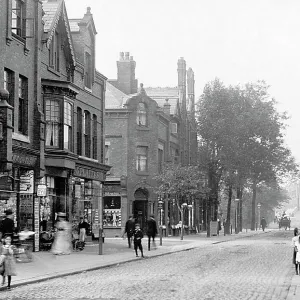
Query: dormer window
x=54, y=52
x=88, y=71
x=141, y=118
x=174, y=128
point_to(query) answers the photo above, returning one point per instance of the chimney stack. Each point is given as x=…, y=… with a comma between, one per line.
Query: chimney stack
x=126, y=81
x=181, y=69
x=167, y=107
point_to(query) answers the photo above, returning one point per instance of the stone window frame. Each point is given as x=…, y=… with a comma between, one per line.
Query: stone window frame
x=142, y=158
x=79, y=130
x=23, y=105
x=54, y=52
x=86, y=126
x=68, y=125
x=94, y=136
x=53, y=120
x=142, y=115
x=9, y=85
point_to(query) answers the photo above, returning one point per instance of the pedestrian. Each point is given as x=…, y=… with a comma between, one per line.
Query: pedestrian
x=263, y=223
x=83, y=227
x=137, y=240
x=129, y=230
x=7, y=225
x=295, y=239
x=7, y=250
x=151, y=231
x=62, y=243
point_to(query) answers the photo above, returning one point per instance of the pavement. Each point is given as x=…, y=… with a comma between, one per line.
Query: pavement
x=47, y=266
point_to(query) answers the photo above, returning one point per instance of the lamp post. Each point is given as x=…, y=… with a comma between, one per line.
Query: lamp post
x=236, y=215
x=160, y=204
x=183, y=205
x=190, y=206
x=258, y=207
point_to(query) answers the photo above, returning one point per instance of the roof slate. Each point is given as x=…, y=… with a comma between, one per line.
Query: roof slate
x=51, y=9
x=74, y=25
x=114, y=98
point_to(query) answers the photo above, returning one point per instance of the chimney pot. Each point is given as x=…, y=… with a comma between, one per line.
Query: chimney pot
x=126, y=55
x=131, y=57
x=167, y=107
x=88, y=10
x=121, y=55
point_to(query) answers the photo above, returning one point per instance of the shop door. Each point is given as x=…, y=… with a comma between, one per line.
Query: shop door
x=140, y=213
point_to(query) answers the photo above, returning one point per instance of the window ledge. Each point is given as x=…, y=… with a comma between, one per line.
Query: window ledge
x=88, y=158
x=143, y=173
x=52, y=70
x=88, y=89
x=142, y=128
x=20, y=137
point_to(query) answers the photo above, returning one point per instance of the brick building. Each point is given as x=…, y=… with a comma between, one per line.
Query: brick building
x=51, y=126
x=143, y=130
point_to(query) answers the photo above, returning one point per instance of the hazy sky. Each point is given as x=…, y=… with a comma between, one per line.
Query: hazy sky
x=235, y=40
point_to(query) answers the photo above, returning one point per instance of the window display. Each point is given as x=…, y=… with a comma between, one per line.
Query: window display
x=112, y=212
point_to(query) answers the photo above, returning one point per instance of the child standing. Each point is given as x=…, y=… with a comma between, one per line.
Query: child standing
x=137, y=239
x=9, y=261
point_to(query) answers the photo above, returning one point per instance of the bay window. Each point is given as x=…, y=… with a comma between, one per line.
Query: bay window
x=68, y=126
x=52, y=122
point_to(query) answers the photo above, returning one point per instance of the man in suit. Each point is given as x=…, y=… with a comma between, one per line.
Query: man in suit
x=7, y=225
x=151, y=231
x=129, y=229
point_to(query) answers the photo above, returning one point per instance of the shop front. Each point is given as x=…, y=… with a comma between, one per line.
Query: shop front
x=112, y=210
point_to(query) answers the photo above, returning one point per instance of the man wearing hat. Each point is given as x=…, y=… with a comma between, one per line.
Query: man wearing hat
x=7, y=225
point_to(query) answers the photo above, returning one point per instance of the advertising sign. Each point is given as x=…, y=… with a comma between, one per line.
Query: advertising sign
x=26, y=181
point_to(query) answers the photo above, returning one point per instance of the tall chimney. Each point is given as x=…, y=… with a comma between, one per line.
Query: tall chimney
x=126, y=81
x=191, y=91
x=181, y=69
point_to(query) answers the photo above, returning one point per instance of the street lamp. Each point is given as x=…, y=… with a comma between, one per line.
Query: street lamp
x=190, y=206
x=160, y=205
x=258, y=206
x=236, y=214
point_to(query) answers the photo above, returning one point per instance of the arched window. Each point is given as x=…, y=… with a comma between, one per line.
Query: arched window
x=141, y=118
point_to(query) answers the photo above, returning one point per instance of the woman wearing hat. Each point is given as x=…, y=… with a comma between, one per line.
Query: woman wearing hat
x=62, y=242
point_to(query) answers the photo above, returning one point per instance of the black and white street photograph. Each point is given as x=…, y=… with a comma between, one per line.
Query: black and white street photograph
x=149, y=149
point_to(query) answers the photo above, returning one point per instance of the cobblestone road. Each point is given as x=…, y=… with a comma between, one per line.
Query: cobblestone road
x=251, y=268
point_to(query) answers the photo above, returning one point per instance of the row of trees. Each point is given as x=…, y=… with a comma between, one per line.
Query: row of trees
x=241, y=150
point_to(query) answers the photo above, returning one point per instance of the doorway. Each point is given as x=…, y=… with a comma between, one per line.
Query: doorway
x=140, y=208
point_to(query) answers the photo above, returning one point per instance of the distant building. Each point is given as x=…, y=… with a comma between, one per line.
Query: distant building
x=142, y=131
x=53, y=143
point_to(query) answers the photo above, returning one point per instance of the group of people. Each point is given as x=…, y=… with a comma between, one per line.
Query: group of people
x=63, y=238
x=134, y=232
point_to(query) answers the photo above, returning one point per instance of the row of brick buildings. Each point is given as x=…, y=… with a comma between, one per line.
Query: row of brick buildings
x=60, y=149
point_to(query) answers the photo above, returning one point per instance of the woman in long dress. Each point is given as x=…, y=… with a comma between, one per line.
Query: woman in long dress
x=62, y=242
x=296, y=250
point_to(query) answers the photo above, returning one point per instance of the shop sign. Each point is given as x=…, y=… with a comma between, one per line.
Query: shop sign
x=22, y=159
x=88, y=173
x=41, y=190
x=26, y=181
x=112, y=190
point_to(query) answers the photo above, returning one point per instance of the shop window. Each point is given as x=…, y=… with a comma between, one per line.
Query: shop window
x=68, y=126
x=79, y=131
x=141, y=158
x=9, y=85
x=95, y=148
x=54, y=50
x=141, y=115
x=87, y=133
x=23, y=105
x=112, y=211
x=52, y=122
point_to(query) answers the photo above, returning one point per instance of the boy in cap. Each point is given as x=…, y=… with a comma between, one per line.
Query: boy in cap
x=137, y=239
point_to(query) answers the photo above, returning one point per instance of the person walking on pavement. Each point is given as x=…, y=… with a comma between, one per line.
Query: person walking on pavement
x=7, y=250
x=295, y=239
x=263, y=223
x=7, y=225
x=137, y=239
x=151, y=231
x=129, y=230
x=83, y=227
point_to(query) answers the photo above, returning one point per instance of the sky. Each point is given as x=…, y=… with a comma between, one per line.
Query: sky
x=236, y=41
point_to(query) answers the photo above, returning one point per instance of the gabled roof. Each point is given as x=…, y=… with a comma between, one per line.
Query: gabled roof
x=160, y=94
x=114, y=98
x=53, y=10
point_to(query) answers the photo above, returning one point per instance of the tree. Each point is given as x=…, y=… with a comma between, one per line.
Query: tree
x=183, y=183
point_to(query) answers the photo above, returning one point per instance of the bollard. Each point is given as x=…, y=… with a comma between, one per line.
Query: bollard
x=160, y=236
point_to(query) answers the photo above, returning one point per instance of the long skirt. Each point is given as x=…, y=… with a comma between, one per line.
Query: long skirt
x=10, y=266
x=62, y=243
